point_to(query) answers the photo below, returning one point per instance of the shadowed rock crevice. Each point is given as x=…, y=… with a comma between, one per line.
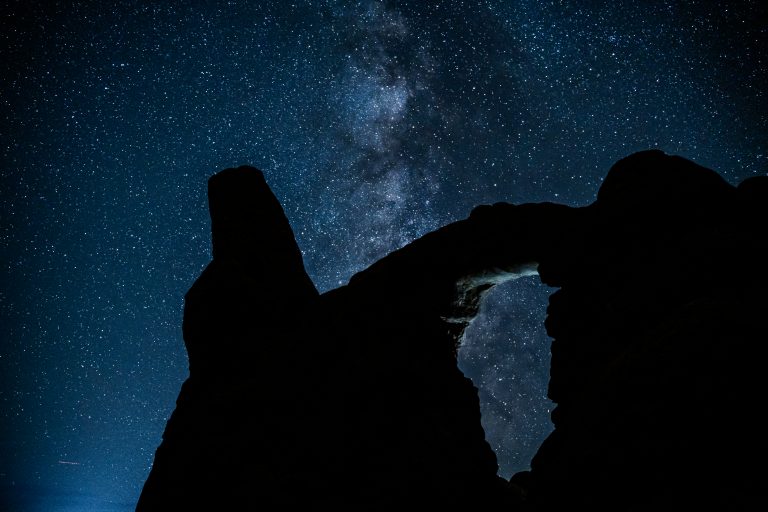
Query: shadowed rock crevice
x=353, y=398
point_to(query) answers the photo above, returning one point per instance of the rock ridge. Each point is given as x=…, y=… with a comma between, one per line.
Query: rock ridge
x=297, y=398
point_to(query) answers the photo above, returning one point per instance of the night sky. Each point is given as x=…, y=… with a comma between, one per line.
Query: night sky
x=374, y=123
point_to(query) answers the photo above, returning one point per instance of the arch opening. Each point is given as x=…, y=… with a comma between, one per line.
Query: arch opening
x=505, y=350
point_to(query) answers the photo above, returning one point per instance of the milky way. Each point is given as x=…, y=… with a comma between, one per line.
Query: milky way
x=374, y=122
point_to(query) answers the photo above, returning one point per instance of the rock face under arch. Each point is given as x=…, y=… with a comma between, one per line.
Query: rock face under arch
x=353, y=399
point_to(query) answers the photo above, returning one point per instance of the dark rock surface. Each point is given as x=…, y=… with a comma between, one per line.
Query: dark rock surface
x=353, y=399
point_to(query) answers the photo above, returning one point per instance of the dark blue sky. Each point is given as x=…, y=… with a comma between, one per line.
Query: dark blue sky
x=374, y=122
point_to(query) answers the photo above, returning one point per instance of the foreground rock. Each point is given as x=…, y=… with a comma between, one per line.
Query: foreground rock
x=353, y=399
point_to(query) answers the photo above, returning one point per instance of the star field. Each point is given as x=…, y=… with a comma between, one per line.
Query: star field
x=374, y=123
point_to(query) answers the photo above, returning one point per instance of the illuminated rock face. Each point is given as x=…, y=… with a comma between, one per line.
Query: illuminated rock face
x=353, y=398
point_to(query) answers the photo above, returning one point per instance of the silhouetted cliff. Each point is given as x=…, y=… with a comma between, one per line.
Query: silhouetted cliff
x=353, y=399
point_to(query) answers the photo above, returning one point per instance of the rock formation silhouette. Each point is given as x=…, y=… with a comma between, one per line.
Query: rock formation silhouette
x=353, y=399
